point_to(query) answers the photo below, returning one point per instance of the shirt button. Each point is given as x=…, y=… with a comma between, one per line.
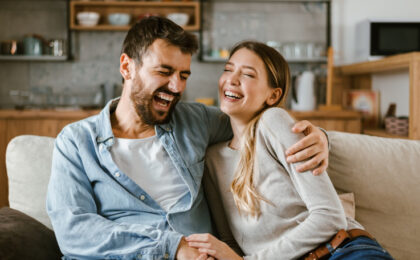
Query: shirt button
x=117, y=174
x=166, y=256
x=142, y=197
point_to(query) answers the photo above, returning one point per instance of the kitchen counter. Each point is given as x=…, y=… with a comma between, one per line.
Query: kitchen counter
x=46, y=113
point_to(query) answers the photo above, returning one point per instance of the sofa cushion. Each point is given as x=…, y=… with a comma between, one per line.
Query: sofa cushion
x=22, y=237
x=28, y=163
x=384, y=175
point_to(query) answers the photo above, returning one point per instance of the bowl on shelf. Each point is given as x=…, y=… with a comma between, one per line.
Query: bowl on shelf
x=88, y=18
x=119, y=19
x=179, y=18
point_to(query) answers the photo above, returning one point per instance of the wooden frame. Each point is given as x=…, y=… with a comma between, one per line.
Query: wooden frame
x=135, y=9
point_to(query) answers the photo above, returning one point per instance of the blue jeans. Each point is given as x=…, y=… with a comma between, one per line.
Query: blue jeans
x=361, y=248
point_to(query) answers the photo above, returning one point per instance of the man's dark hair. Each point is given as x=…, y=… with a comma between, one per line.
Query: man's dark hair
x=146, y=31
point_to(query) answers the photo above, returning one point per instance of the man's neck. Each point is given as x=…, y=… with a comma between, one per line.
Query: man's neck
x=126, y=123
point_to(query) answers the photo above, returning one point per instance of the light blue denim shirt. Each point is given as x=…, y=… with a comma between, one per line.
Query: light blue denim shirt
x=97, y=212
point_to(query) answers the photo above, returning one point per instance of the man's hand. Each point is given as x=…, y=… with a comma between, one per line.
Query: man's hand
x=313, y=147
x=188, y=253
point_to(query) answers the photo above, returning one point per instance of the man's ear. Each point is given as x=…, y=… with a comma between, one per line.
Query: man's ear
x=274, y=97
x=125, y=66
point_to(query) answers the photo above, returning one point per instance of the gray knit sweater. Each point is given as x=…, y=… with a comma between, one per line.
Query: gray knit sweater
x=305, y=209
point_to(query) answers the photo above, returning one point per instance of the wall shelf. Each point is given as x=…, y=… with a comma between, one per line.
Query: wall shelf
x=358, y=76
x=32, y=58
x=135, y=9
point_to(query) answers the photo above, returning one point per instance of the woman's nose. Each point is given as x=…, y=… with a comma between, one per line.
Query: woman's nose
x=233, y=79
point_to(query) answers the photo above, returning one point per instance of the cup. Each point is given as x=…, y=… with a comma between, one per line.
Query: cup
x=56, y=47
x=32, y=45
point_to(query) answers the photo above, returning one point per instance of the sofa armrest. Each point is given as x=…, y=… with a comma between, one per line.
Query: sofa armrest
x=22, y=237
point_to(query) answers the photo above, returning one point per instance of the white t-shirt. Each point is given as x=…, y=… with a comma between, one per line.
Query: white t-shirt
x=148, y=164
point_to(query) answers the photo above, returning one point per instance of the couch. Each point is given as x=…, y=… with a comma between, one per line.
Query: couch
x=383, y=174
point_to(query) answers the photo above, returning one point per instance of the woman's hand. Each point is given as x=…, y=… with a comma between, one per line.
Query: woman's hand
x=208, y=244
x=313, y=147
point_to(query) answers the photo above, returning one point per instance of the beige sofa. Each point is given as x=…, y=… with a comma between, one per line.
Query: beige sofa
x=384, y=175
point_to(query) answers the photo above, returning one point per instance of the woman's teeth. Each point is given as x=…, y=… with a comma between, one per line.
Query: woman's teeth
x=232, y=95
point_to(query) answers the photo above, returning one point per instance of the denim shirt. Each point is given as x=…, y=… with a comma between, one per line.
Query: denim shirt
x=97, y=212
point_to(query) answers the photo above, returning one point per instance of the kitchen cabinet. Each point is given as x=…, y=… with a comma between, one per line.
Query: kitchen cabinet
x=31, y=122
x=135, y=9
x=358, y=76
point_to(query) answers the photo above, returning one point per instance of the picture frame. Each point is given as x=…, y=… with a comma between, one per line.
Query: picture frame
x=365, y=101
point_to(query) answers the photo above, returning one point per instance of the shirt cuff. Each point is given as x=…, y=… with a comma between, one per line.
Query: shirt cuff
x=172, y=240
x=328, y=138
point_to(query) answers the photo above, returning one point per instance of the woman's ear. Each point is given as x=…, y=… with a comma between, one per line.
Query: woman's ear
x=125, y=62
x=274, y=97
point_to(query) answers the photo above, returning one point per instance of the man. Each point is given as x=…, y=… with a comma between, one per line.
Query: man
x=125, y=184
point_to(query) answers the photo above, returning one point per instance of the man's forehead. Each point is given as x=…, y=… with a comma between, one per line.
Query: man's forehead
x=162, y=52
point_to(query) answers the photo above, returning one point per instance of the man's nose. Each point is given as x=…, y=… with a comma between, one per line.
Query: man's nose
x=176, y=84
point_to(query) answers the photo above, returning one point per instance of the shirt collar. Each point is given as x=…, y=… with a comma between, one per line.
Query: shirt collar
x=104, y=128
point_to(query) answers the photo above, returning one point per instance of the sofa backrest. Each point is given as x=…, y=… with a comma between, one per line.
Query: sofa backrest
x=384, y=175
x=28, y=164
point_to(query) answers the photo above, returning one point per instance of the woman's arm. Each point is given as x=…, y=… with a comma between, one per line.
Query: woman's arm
x=217, y=212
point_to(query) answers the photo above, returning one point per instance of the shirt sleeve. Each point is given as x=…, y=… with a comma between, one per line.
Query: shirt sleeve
x=218, y=125
x=218, y=213
x=326, y=215
x=83, y=233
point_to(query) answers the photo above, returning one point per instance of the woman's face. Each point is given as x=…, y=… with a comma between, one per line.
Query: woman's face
x=243, y=86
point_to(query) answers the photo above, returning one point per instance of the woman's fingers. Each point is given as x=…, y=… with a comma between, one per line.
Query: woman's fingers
x=204, y=237
x=199, y=244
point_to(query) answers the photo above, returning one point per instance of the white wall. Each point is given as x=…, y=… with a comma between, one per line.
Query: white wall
x=345, y=15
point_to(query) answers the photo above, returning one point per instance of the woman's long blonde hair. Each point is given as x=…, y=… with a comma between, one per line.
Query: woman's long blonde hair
x=246, y=196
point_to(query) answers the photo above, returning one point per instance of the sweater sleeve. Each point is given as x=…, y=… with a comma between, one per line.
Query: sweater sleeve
x=325, y=213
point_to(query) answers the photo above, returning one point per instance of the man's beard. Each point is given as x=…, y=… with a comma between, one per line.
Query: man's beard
x=143, y=103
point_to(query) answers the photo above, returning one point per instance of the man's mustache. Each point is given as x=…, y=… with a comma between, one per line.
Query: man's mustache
x=167, y=91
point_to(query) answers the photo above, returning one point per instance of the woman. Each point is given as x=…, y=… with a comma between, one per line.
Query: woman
x=273, y=211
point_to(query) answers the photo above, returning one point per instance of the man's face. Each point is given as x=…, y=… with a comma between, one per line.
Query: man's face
x=159, y=82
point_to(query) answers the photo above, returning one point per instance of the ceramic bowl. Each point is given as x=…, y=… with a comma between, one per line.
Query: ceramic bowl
x=179, y=18
x=88, y=18
x=119, y=18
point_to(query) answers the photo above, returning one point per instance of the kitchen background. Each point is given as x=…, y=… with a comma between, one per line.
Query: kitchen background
x=96, y=54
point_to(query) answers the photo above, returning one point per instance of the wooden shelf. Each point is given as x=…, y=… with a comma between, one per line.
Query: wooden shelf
x=135, y=9
x=33, y=58
x=392, y=63
x=383, y=133
x=358, y=76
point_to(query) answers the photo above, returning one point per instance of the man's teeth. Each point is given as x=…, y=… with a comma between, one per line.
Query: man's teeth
x=165, y=96
x=232, y=95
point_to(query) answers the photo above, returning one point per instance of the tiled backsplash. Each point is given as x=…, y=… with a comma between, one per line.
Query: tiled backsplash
x=96, y=54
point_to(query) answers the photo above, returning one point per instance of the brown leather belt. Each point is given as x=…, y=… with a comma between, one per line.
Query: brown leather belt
x=341, y=238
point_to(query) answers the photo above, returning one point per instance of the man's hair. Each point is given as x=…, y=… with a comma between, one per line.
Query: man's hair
x=146, y=31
